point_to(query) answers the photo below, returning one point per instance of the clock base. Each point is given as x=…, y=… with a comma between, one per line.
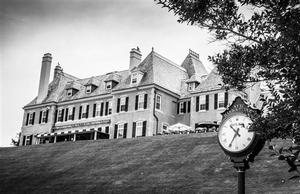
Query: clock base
x=241, y=164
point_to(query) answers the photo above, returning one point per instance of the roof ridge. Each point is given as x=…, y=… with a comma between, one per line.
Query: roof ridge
x=70, y=76
x=169, y=61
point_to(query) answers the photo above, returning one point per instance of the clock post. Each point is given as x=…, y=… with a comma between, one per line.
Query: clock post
x=236, y=139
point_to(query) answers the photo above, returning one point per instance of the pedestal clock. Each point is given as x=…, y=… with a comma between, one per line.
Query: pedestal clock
x=237, y=140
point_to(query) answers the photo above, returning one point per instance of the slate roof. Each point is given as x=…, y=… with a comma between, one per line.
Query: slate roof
x=93, y=81
x=196, y=78
x=193, y=65
x=212, y=82
x=157, y=70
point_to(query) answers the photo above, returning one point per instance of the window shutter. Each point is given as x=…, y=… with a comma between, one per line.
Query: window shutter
x=216, y=101
x=30, y=140
x=178, y=106
x=136, y=101
x=27, y=119
x=184, y=107
x=40, y=119
x=145, y=101
x=118, y=105
x=24, y=138
x=62, y=115
x=80, y=109
x=101, y=109
x=116, y=131
x=189, y=106
x=33, y=117
x=55, y=116
x=207, y=102
x=126, y=104
x=67, y=112
x=106, y=107
x=144, y=128
x=87, y=111
x=133, y=129
x=94, y=110
x=47, y=113
x=226, y=99
x=197, y=103
x=125, y=131
x=73, y=116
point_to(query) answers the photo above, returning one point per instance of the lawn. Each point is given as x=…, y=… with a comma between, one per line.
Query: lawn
x=162, y=164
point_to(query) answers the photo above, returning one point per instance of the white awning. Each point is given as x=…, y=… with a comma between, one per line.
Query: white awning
x=66, y=132
x=179, y=127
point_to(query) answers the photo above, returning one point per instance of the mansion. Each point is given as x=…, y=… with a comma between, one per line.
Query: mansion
x=143, y=100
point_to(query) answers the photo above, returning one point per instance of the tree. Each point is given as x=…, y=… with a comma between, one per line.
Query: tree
x=16, y=141
x=263, y=46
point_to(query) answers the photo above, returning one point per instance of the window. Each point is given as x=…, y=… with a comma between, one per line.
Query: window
x=107, y=129
x=60, y=115
x=108, y=85
x=84, y=113
x=44, y=116
x=141, y=101
x=158, y=102
x=31, y=118
x=109, y=107
x=71, y=113
x=28, y=140
x=139, y=128
x=135, y=78
x=69, y=92
x=123, y=104
x=191, y=86
x=181, y=108
x=202, y=103
x=88, y=89
x=98, y=109
x=221, y=100
x=120, y=130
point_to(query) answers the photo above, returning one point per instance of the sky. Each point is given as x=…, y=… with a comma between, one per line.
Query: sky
x=87, y=38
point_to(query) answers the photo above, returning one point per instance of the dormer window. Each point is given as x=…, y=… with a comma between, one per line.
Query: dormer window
x=108, y=85
x=88, y=89
x=70, y=92
x=134, y=78
x=191, y=86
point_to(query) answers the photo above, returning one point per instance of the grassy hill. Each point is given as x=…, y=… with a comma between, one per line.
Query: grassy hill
x=161, y=164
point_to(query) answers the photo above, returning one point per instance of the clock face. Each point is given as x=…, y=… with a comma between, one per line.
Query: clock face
x=234, y=134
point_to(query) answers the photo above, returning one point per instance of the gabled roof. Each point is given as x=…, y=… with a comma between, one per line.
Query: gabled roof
x=113, y=76
x=73, y=85
x=212, y=82
x=93, y=81
x=193, y=65
x=157, y=70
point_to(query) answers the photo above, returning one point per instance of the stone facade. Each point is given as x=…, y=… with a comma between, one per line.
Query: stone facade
x=151, y=95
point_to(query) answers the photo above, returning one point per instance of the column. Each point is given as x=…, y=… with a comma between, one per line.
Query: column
x=95, y=135
x=74, y=138
x=55, y=137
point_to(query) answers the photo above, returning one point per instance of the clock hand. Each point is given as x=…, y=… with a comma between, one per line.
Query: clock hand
x=236, y=134
x=236, y=131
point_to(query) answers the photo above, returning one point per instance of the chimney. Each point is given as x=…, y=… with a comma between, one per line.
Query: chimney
x=44, y=77
x=135, y=58
x=58, y=71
